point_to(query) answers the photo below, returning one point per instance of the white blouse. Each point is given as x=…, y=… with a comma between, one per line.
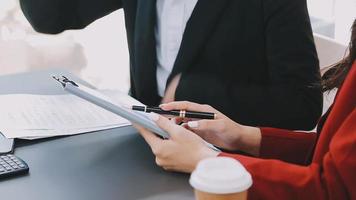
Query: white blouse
x=172, y=17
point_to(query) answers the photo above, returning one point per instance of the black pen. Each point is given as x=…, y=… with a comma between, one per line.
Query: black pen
x=180, y=113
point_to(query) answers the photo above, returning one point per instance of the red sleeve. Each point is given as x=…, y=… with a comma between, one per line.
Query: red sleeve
x=333, y=178
x=290, y=146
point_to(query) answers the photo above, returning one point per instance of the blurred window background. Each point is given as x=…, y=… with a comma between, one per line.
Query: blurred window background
x=332, y=18
x=99, y=53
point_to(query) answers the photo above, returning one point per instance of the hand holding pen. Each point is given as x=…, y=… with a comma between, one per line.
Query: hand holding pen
x=221, y=131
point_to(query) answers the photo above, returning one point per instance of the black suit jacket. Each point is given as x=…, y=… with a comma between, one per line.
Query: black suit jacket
x=254, y=60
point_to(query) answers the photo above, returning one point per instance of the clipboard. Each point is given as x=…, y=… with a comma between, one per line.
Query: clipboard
x=105, y=102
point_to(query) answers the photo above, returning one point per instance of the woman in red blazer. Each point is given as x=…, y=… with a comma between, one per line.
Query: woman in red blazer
x=286, y=164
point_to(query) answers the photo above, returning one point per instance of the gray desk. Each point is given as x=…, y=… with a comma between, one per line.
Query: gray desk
x=114, y=164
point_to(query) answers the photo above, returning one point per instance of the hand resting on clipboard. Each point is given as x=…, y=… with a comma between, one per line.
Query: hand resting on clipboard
x=118, y=108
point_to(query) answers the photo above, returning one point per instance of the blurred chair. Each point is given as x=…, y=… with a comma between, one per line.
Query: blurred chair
x=329, y=52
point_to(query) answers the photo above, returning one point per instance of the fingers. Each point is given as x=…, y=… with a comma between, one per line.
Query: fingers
x=149, y=137
x=158, y=146
x=180, y=120
x=217, y=126
x=177, y=120
x=167, y=125
x=186, y=105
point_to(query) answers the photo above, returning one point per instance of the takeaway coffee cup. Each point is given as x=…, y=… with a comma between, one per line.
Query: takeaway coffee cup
x=220, y=178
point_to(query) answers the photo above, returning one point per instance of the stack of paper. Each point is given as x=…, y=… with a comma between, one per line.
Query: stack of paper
x=29, y=116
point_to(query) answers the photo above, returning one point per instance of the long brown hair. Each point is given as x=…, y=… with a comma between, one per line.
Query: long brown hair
x=336, y=75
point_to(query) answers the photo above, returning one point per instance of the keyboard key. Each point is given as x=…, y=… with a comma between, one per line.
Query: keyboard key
x=10, y=164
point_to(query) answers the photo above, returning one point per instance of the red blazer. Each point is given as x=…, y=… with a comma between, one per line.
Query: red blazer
x=331, y=172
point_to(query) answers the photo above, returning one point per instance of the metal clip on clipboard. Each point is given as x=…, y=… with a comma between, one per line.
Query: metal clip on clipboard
x=64, y=80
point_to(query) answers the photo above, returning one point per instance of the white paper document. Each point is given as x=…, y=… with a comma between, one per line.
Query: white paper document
x=36, y=116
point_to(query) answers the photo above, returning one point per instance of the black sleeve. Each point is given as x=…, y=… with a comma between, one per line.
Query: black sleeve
x=290, y=99
x=55, y=16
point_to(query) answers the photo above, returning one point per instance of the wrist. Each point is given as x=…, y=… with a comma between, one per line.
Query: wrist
x=250, y=140
x=204, y=153
x=234, y=141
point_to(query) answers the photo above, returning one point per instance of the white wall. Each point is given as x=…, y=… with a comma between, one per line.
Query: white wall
x=105, y=46
x=345, y=14
x=337, y=15
x=322, y=8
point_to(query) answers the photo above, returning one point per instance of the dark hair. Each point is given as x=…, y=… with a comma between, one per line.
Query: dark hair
x=337, y=73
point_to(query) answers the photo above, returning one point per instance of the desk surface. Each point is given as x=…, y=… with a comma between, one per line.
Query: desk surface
x=113, y=164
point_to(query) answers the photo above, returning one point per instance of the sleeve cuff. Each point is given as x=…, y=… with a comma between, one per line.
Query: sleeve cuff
x=286, y=145
x=244, y=160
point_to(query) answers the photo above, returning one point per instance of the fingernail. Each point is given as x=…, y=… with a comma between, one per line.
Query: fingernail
x=193, y=124
x=154, y=116
x=162, y=105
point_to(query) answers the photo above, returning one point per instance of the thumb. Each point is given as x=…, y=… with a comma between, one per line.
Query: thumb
x=207, y=126
x=167, y=125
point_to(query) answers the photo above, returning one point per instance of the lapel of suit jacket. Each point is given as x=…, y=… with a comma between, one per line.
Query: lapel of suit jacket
x=199, y=27
x=145, y=52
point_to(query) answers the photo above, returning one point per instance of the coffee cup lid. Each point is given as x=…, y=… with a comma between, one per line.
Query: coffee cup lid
x=220, y=175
